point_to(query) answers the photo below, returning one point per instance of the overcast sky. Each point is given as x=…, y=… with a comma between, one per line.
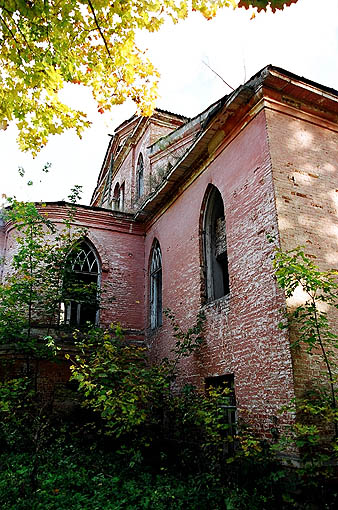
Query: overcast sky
x=303, y=39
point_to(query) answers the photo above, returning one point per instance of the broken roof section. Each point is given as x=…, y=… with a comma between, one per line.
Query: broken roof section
x=209, y=129
x=217, y=121
x=157, y=110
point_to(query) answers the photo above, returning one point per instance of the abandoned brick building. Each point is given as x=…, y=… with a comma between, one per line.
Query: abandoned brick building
x=180, y=216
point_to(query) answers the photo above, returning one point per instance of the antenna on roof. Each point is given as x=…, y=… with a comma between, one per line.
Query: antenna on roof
x=213, y=70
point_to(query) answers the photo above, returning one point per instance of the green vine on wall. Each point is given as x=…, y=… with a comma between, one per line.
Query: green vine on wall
x=294, y=269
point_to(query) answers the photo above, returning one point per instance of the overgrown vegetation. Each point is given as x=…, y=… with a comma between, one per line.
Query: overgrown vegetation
x=38, y=278
x=130, y=442
x=315, y=432
x=124, y=437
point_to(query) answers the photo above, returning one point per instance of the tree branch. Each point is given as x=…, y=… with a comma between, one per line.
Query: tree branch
x=13, y=36
x=99, y=28
x=17, y=27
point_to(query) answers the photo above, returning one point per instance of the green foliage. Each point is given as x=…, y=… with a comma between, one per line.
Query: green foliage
x=78, y=479
x=294, y=269
x=33, y=287
x=16, y=397
x=274, y=5
x=316, y=410
x=47, y=44
x=138, y=407
x=82, y=475
x=117, y=383
x=187, y=342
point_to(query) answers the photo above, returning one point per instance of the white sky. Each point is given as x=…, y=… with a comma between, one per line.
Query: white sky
x=303, y=39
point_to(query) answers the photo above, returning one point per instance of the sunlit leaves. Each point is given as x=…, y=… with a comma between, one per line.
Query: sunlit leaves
x=294, y=269
x=46, y=44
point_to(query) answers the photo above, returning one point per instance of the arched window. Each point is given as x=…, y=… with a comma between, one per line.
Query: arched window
x=215, y=247
x=140, y=177
x=116, y=198
x=121, y=198
x=81, y=282
x=156, y=286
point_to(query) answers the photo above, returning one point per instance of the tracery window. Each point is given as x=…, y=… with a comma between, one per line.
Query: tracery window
x=215, y=247
x=81, y=283
x=156, y=286
x=140, y=177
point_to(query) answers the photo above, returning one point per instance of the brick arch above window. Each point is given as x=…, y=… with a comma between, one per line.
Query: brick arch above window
x=214, y=250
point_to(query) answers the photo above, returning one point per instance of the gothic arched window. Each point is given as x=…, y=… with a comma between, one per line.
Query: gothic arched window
x=121, y=198
x=116, y=198
x=140, y=177
x=156, y=286
x=215, y=247
x=81, y=284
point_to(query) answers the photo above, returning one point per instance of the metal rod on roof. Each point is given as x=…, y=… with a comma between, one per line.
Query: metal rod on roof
x=213, y=70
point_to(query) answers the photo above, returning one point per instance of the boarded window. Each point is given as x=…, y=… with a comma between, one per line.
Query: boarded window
x=140, y=177
x=80, y=301
x=215, y=247
x=156, y=286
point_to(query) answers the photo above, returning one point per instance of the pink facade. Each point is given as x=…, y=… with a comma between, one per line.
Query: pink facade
x=267, y=153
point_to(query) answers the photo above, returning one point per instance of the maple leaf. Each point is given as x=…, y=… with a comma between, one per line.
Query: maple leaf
x=46, y=44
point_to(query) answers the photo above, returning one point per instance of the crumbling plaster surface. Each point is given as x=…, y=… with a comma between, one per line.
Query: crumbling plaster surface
x=242, y=336
x=272, y=153
x=305, y=176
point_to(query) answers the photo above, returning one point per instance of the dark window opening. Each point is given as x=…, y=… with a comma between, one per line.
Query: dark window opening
x=116, y=198
x=121, y=198
x=225, y=385
x=215, y=248
x=156, y=287
x=140, y=177
x=80, y=288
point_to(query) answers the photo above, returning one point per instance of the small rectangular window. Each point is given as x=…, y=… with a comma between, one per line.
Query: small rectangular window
x=226, y=382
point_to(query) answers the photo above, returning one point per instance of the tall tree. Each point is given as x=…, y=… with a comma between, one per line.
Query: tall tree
x=47, y=43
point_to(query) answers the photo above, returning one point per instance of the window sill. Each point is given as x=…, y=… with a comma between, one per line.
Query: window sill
x=221, y=304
